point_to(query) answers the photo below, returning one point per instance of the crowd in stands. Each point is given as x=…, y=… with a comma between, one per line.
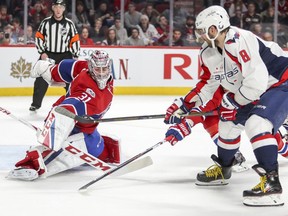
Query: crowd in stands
x=146, y=23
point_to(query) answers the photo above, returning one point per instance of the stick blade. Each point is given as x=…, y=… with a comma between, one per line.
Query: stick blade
x=134, y=166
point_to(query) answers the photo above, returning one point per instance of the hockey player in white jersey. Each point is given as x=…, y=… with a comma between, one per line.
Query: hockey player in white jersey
x=254, y=74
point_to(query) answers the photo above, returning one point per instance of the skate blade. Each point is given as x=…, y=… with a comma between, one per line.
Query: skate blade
x=23, y=174
x=262, y=201
x=220, y=182
x=240, y=168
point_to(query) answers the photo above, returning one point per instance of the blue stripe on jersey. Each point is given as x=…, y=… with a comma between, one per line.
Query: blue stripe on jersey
x=65, y=69
x=79, y=105
x=276, y=65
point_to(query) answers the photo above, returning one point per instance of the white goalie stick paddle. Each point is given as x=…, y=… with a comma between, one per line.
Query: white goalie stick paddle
x=123, y=165
x=90, y=120
x=86, y=157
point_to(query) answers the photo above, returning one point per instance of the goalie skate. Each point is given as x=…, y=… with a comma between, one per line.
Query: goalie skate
x=267, y=192
x=241, y=165
x=215, y=175
x=22, y=173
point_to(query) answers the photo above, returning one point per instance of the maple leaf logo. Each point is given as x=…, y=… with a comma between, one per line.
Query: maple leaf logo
x=21, y=69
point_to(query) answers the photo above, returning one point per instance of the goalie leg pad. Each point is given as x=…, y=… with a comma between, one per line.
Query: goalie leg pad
x=62, y=160
x=56, y=130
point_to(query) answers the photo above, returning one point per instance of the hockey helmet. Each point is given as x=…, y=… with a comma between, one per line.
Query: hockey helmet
x=212, y=16
x=99, y=65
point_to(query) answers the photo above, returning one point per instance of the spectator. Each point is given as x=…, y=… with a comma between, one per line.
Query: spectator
x=262, y=5
x=5, y=17
x=84, y=37
x=147, y=31
x=235, y=5
x=81, y=19
x=111, y=38
x=268, y=36
x=121, y=32
x=151, y=12
x=236, y=20
x=163, y=29
x=251, y=16
x=135, y=39
x=176, y=39
x=188, y=32
x=98, y=32
x=282, y=35
x=104, y=14
x=8, y=40
x=37, y=13
x=283, y=11
x=90, y=6
x=17, y=31
x=256, y=28
x=30, y=35
x=268, y=15
x=17, y=9
x=131, y=17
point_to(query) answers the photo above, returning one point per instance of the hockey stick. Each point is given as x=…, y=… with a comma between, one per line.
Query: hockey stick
x=90, y=120
x=109, y=172
x=86, y=157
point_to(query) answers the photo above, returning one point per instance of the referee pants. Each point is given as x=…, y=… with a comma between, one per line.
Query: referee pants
x=41, y=86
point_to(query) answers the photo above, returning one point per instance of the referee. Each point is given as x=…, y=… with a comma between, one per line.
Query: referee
x=57, y=39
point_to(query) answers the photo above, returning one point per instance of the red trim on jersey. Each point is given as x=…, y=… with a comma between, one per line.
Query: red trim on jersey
x=234, y=59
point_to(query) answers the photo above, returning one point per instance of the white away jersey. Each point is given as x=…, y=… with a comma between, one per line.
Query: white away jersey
x=247, y=67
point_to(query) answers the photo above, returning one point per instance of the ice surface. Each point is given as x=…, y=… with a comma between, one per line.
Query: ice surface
x=166, y=188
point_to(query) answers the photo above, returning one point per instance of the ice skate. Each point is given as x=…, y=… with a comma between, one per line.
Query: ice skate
x=215, y=175
x=267, y=192
x=22, y=173
x=241, y=165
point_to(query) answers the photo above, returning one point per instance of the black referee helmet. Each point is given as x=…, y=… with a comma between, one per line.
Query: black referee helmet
x=60, y=2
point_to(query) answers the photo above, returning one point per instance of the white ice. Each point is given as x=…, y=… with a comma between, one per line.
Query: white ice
x=166, y=188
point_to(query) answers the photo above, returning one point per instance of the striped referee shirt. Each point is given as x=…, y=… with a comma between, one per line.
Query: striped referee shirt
x=57, y=36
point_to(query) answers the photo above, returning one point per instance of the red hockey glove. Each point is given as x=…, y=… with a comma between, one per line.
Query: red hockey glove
x=174, y=112
x=228, y=107
x=177, y=132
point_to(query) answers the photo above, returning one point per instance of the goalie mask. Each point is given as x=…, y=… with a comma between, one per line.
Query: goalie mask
x=211, y=16
x=99, y=65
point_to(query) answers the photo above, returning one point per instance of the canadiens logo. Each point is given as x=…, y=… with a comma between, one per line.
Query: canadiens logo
x=90, y=92
x=63, y=31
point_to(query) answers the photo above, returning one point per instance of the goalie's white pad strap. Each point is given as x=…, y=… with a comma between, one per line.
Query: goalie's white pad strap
x=56, y=130
x=65, y=160
x=42, y=68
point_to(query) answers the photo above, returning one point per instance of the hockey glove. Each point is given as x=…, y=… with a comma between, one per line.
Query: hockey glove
x=174, y=112
x=177, y=132
x=228, y=107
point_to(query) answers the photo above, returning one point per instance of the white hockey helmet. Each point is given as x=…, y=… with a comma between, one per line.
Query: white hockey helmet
x=212, y=16
x=99, y=65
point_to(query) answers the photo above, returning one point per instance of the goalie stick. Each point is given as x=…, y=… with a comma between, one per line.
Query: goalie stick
x=86, y=157
x=85, y=187
x=90, y=120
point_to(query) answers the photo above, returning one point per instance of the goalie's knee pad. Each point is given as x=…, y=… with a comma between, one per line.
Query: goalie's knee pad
x=111, y=152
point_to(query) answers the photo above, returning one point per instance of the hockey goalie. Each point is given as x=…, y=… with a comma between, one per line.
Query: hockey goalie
x=90, y=94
